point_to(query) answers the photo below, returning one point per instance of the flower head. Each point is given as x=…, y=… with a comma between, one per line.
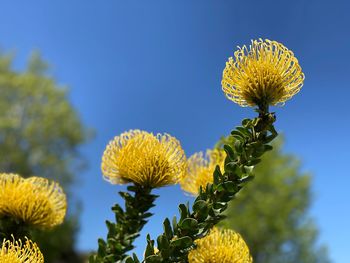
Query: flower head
x=143, y=158
x=220, y=246
x=35, y=201
x=18, y=252
x=265, y=74
x=200, y=170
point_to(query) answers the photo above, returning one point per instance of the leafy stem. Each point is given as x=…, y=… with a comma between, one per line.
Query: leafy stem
x=127, y=227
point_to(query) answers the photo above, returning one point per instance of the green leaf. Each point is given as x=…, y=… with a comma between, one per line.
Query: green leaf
x=163, y=242
x=227, y=186
x=136, y=260
x=117, y=209
x=182, y=242
x=183, y=211
x=239, y=136
x=150, y=247
x=238, y=147
x=188, y=224
x=246, y=122
x=132, y=236
x=148, y=238
x=126, y=196
x=132, y=188
x=257, y=145
x=153, y=259
x=267, y=147
x=167, y=229
x=110, y=226
x=201, y=208
x=229, y=151
x=244, y=131
x=199, y=205
x=258, y=153
x=253, y=162
x=101, y=247
x=217, y=175
x=174, y=223
x=231, y=167
x=209, y=188
x=146, y=215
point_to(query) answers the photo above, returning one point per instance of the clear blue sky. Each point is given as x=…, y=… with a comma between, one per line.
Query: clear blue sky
x=157, y=65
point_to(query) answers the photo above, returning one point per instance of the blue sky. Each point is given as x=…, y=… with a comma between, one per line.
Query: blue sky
x=157, y=65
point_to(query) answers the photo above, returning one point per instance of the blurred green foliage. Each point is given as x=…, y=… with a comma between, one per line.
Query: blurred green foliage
x=271, y=213
x=40, y=133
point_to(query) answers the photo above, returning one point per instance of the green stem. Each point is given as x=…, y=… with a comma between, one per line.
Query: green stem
x=129, y=223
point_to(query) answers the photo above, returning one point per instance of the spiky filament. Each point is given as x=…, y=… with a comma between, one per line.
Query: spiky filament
x=16, y=251
x=266, y=73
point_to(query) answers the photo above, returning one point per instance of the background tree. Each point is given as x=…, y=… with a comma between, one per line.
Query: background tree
x=40, y=133
x=271, y=213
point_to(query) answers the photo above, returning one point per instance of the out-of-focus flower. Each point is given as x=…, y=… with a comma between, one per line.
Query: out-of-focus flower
x=35, y=201
x=266, y=73
x=18, y=252
x=200, y=170
x=143, y=158
x=220, y=246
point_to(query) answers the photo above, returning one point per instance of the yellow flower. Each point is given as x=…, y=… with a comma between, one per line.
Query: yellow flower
x=265, y=74
x=17, y=252
x=200, y=170
x=140, y=157
x=35, y=201
x=220, y=246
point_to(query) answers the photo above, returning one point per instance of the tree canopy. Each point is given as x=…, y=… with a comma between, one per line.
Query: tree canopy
x=40, y=134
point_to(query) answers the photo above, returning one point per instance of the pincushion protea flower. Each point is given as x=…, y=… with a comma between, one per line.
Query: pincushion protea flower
x=35, y=201
x=266, y=73
x=18, y=252
x=143, y=158
x=200, y=170
x=220, y=246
